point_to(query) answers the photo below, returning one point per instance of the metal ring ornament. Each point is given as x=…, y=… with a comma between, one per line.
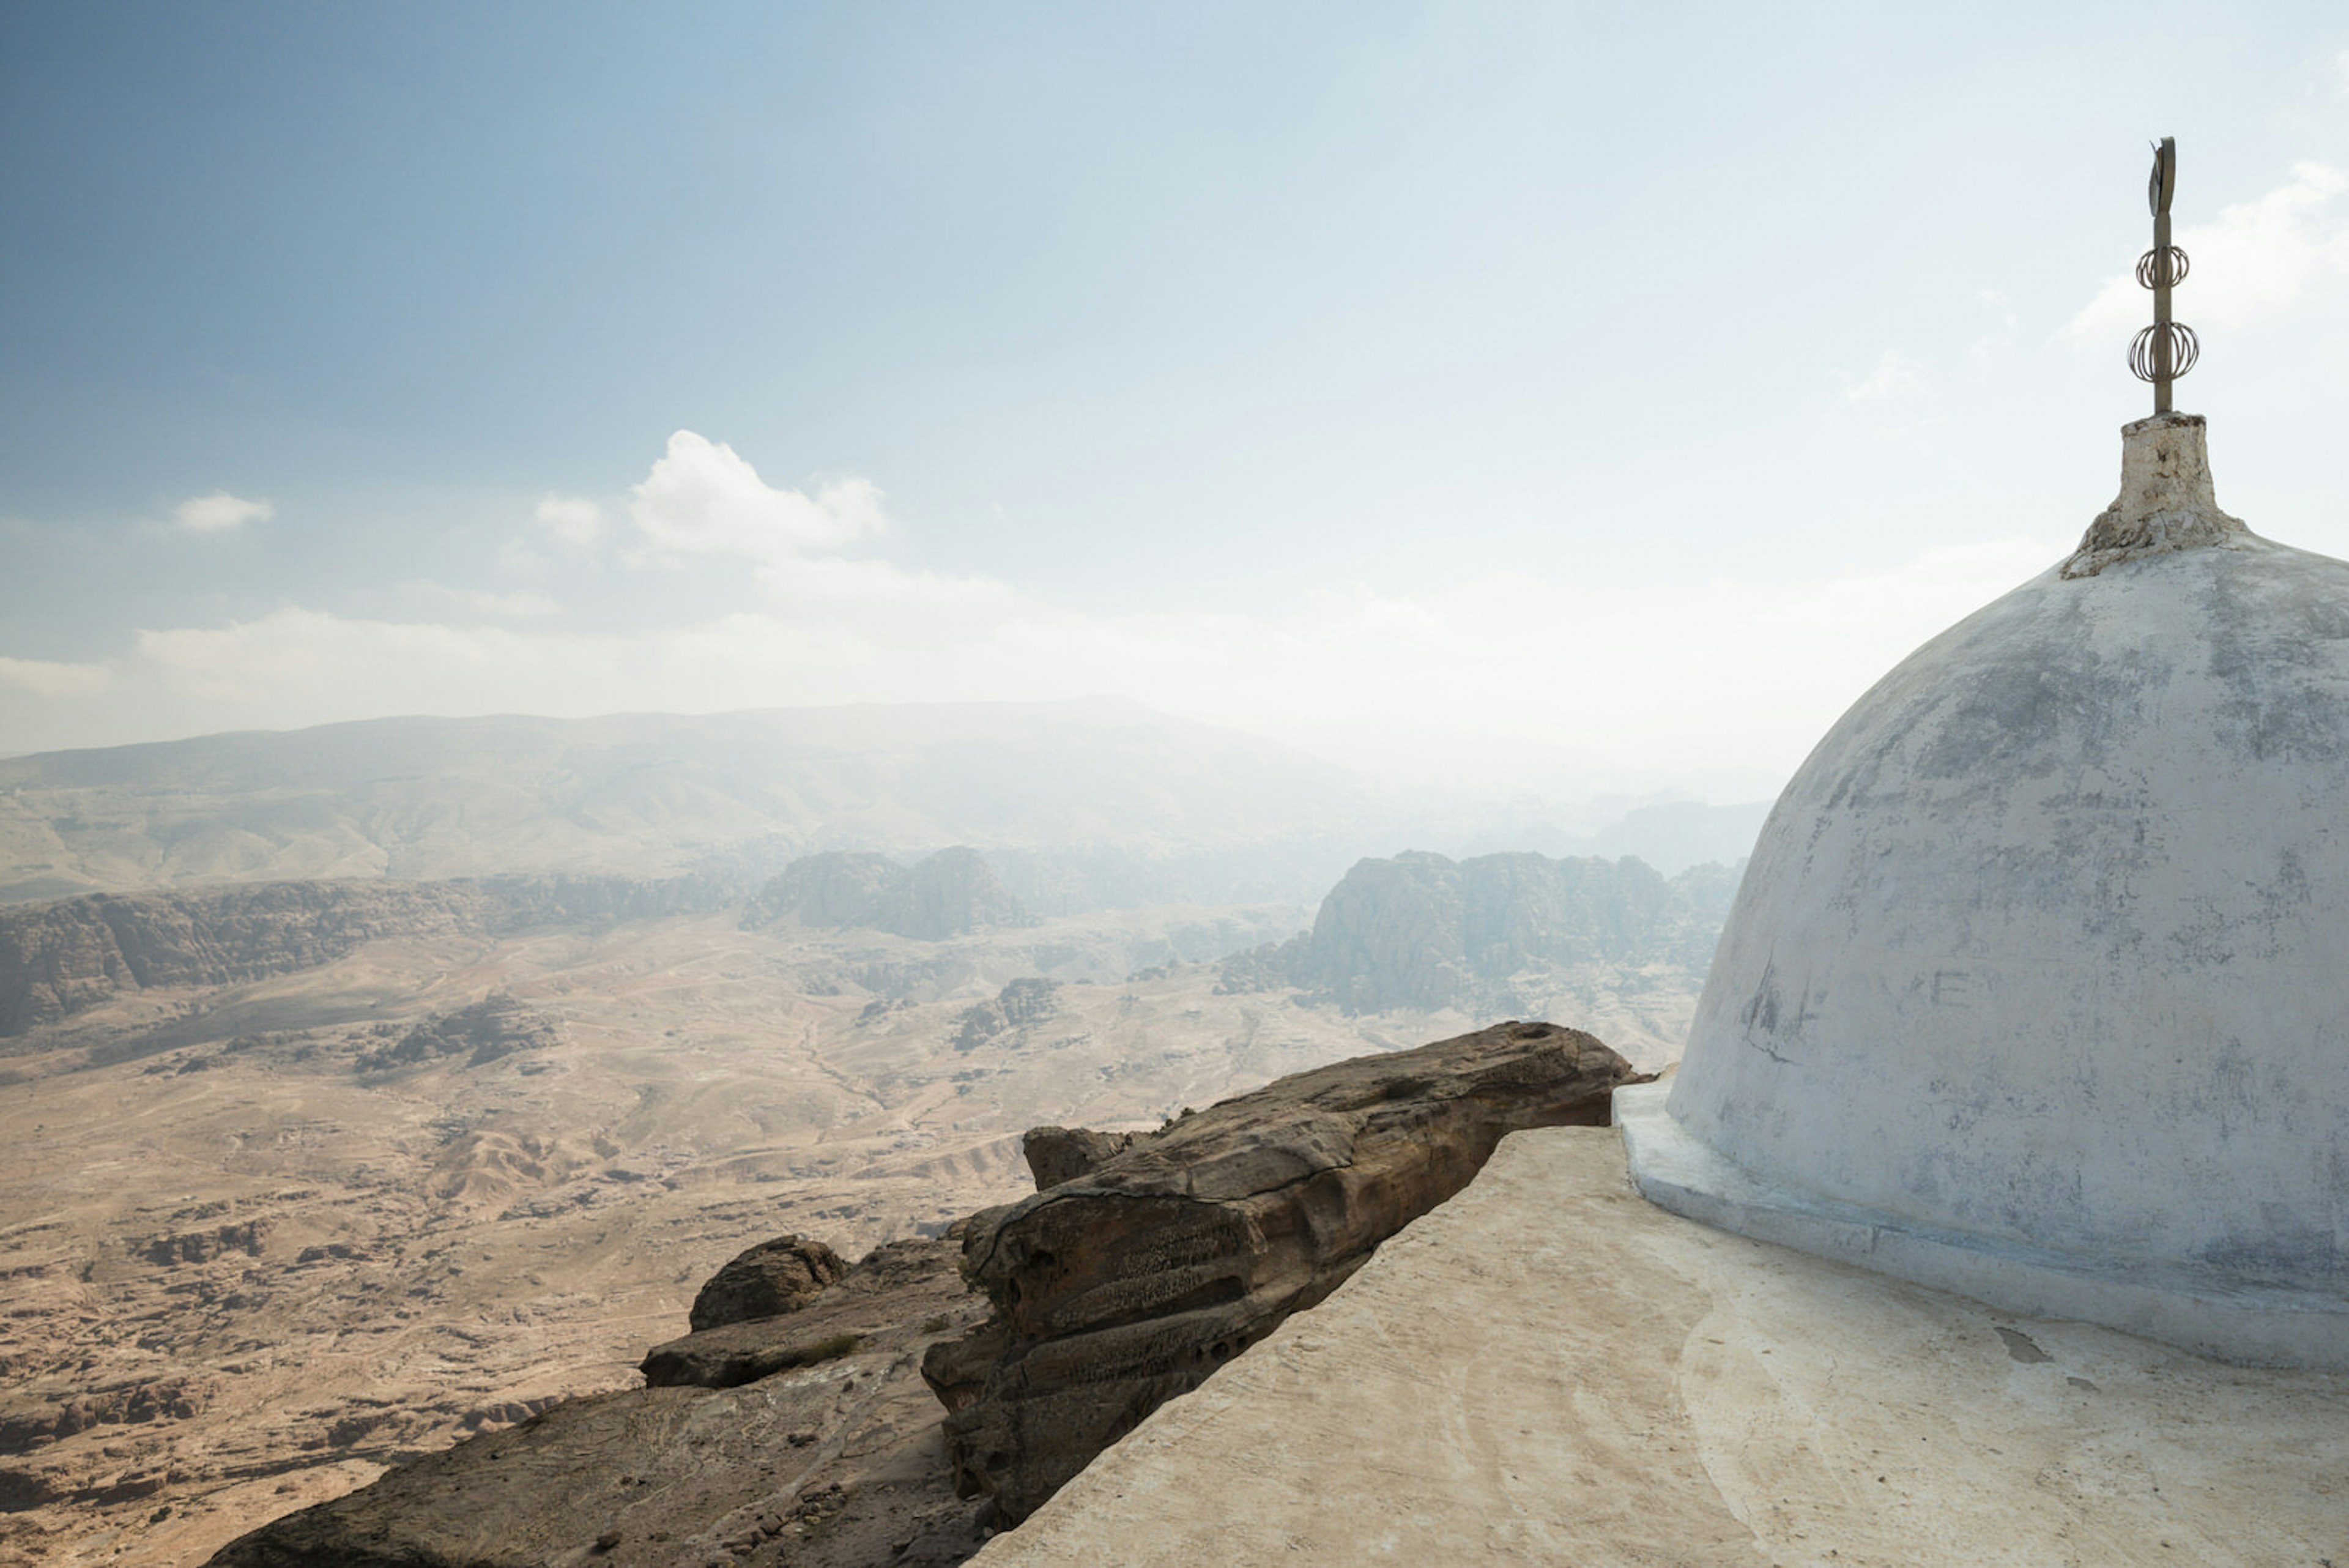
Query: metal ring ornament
x=2185, y=349
x=2151, y=265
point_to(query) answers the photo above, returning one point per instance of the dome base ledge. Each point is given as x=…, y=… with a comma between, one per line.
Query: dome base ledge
x=2249, y=1325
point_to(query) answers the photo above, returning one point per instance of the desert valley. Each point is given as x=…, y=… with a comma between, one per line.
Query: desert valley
x=303, y=1177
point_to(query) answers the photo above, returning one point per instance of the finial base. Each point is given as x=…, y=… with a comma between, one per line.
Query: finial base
x=2166, y=501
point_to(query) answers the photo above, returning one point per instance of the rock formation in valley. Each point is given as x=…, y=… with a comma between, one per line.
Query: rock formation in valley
x=56, y=959
x=1423, y=931
x=493, y=1027
x=60, y=958
x=949, y=894
x=953, y=892
x=1021, y=1005
x=837, y=890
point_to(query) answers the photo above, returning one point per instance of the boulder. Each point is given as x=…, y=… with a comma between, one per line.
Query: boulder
x=1131, y=1283
x=768, y=1279
x=914, y=1279
x=1056, y=1155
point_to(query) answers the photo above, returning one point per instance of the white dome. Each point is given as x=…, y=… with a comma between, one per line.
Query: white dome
x=2037, y=985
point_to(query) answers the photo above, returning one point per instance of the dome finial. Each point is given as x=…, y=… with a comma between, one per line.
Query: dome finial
x=2166, y=501
x=2167, y=349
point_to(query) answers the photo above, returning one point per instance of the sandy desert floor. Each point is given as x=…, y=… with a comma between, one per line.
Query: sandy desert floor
x=241, y=1272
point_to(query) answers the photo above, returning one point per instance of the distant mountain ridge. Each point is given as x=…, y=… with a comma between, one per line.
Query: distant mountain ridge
x=658, y=795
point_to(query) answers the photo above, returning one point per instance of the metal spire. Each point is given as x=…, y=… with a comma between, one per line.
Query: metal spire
x=2167, y=349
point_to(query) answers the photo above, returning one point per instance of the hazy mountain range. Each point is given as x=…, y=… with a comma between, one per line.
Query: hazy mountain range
x=1090, y=804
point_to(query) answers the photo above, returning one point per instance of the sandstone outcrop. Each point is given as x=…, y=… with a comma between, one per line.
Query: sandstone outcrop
x=175, y=1398
x=1130, y=1284
x=766, y=1281
x=248, y=1236
x=949, y=894
x=1056, y=1155
x=952, y=892
x=495, y=1026
x=1421, y=931
x=59, y=959
x=839, y=889
x=1020, y=1003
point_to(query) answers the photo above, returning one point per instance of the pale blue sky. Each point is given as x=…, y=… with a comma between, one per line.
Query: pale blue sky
x=1608, y=385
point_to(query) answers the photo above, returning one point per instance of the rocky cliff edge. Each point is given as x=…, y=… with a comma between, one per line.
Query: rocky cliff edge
x=810, y=1435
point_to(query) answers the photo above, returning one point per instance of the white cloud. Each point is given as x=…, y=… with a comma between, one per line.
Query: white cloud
x=840, y=584
x=576, y=522
x=1927, y=438
x=1526, y=680
x=2258, y=260
x=702, y=498
x=518, y=556
x=1996, y=345
x=219, y=513
x=1895, y=374
x=520, y=604
x=47, y=678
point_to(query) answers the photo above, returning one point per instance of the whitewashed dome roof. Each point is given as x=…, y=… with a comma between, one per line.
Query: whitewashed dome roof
x=2037, y=984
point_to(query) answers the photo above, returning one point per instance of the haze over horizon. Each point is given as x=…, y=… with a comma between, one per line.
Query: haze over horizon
x=1490, y=393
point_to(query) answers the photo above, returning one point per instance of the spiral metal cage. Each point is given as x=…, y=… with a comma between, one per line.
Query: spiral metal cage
x=2152, y=266
x=2184, y=350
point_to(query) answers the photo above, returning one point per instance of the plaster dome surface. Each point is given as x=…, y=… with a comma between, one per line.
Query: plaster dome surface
x=2037, y=984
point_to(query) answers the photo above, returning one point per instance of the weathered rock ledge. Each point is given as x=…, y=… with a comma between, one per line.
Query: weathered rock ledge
x=1119, y=1289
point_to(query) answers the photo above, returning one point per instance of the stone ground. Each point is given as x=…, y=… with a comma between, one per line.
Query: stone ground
x=1547, y=1369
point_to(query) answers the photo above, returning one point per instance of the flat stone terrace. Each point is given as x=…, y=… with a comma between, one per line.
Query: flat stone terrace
x=1548, y=1369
